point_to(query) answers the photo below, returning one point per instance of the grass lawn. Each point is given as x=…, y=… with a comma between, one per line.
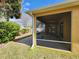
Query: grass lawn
x=14, y=50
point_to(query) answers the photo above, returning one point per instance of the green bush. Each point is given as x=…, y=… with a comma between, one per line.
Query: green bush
x=8, y=31
x=23, y=31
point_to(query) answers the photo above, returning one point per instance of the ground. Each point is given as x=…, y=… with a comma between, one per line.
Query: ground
x=46, y=43
x=15, y=50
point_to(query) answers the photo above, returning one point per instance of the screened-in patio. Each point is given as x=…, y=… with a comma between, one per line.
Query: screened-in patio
x=59, y=26
x=55, y=28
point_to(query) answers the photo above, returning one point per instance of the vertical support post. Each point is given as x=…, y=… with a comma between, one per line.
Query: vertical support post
x=65, y=28
x=34, y=31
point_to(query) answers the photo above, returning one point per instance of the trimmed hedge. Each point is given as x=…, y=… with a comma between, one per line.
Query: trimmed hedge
x=8, y=31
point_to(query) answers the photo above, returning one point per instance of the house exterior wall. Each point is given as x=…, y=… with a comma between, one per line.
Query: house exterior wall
x=74, y=24
x=75, y=30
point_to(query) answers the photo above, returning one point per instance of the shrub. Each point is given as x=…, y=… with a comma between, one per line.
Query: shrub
x=8, y=31
x=2, y=35
x=23, y=31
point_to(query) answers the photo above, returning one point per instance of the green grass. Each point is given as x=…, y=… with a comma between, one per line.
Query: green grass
x=14, y=50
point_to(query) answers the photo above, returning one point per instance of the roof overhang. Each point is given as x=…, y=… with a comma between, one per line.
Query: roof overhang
x=68, y=3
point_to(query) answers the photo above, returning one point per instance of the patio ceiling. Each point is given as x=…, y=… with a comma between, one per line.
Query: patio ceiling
x=52, y=18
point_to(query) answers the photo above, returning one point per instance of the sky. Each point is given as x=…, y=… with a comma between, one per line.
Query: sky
x=35, y=4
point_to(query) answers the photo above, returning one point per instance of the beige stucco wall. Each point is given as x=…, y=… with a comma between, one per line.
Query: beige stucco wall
x=75, y=30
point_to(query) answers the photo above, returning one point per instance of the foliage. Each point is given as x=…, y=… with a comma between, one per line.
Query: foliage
x=8, y=31
x=2, y=35
x=23, y=31
x=1, y=13
x=14, y=8
x=11, y=8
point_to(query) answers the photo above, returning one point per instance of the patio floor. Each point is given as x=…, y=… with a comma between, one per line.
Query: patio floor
x=46, y=43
